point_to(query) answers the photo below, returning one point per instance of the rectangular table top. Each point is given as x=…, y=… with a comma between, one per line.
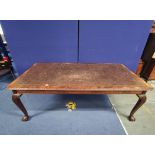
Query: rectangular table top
x=79, y=77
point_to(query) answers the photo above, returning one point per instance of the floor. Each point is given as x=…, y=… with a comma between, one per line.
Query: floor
x=145, y=117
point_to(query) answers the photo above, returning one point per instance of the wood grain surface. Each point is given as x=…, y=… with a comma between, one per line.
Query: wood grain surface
x=74, y=77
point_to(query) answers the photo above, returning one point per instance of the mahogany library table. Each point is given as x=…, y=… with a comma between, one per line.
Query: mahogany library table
x=77, y=78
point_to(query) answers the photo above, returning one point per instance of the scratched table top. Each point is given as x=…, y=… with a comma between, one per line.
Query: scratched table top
x=79, y=77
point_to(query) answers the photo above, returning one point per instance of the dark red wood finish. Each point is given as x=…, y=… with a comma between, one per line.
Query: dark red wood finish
x=74, y=78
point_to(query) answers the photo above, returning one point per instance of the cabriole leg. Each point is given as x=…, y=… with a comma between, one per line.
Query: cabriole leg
x=19, y=104
x=140, y=102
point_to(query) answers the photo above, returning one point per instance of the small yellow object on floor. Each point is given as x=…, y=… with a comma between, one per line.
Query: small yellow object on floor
x=71, y=105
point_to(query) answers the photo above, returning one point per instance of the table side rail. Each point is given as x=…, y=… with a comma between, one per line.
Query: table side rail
x=74, y=92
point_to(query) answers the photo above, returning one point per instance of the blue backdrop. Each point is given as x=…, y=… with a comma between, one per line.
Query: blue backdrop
x=58, y=41
x=41, y=41
x=113, y=41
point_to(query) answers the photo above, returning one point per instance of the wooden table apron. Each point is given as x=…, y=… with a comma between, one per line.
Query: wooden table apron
x=17, y=92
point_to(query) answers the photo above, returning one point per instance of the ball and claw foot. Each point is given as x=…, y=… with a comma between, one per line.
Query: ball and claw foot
x=132, y=118
x=25, y=118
